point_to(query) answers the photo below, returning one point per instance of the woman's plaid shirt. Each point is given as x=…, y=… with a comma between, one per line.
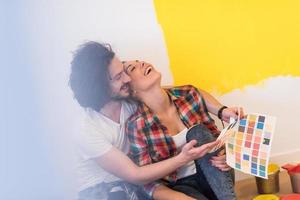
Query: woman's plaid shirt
x=150, y=141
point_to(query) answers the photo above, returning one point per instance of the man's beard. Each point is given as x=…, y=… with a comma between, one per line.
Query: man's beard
x=130, y=98
x=117, y=97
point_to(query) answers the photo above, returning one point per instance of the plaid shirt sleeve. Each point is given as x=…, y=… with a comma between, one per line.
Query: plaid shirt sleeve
x=203, y=111
x=139, y=152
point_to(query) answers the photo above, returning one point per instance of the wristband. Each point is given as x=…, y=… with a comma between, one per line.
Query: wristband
x=220, y=112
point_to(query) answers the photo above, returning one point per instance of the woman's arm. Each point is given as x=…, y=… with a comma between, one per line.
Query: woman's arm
x=117, y=163
x=213, y=106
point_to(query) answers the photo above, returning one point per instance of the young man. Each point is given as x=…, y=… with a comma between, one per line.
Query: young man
x=101, y=86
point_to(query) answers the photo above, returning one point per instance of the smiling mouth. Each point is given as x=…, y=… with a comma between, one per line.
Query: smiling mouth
x=148, y=70
x=125, y=87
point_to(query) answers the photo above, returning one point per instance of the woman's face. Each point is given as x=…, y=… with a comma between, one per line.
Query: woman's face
x=143, y=75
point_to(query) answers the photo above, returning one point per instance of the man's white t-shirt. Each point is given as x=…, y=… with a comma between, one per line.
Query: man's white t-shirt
x=98, y=136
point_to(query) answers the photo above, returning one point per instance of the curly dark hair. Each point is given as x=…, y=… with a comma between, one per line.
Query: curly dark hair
x=89, y=79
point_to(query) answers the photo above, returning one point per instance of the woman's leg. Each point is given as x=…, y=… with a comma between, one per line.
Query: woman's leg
x=204, y=185
x=220, y=182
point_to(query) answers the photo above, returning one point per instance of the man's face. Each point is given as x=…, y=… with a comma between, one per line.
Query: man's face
x=119, y=80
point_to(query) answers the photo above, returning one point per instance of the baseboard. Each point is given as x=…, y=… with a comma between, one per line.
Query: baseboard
x=280, y=159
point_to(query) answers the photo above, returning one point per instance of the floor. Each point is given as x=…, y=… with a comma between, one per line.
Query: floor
x=246, y=189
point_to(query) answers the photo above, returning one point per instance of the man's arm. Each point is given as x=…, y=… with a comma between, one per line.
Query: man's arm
x=213, y=106
x=117, y=163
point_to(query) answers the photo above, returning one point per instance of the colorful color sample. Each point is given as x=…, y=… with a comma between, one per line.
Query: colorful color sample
x=248, y=149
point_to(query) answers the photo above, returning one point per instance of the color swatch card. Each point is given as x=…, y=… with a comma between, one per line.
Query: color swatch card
x=225, y=134
x=248, y=145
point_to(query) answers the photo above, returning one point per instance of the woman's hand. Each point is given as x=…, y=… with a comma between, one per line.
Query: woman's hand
x=190, y=153
x=219, y=161
x=232, y=112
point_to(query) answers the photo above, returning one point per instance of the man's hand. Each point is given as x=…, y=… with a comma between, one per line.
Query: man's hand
x=232, y=112
x=219, y=161
x=190, y=153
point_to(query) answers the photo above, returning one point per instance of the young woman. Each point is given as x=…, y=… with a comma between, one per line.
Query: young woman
x=159, y=129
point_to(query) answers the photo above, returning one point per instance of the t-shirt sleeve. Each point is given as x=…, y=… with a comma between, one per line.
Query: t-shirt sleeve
x=92, y=143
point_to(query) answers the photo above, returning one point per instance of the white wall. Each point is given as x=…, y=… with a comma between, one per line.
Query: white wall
x=45, y=33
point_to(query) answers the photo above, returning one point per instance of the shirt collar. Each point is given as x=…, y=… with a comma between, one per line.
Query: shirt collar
x=149, y=116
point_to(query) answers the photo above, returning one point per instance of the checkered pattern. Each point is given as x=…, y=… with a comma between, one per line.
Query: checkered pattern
x=150, y=139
